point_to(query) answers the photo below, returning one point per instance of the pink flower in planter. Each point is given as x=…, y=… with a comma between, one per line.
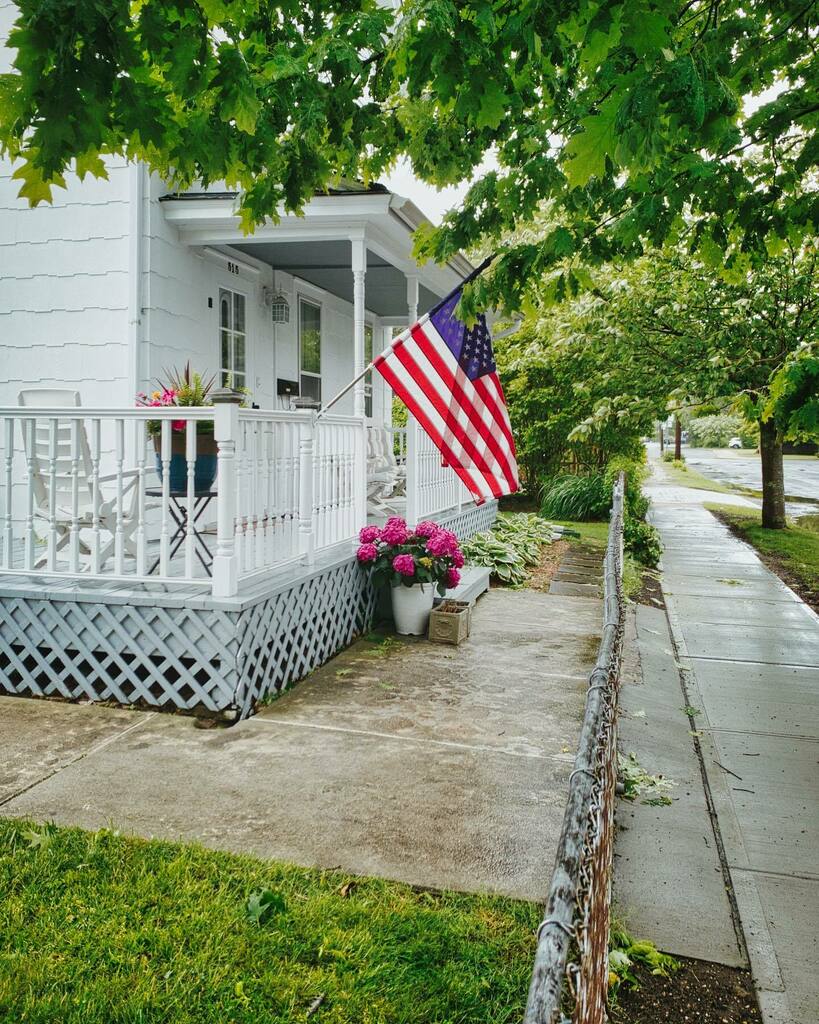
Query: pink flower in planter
x=442, y=543
x=405, y=564
x=367, y=553
x=453, y=578
x=369, y=534
x=178, y=425
x=458, y=558
x=395, y=531
x=426, y=528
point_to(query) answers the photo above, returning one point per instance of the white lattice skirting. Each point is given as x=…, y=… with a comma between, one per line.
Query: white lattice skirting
x=157, y=651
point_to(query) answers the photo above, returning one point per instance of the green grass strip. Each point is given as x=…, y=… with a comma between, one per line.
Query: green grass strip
x=794, y=549
x=99, y=928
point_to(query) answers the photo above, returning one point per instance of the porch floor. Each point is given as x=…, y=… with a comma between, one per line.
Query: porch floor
x=439, y=766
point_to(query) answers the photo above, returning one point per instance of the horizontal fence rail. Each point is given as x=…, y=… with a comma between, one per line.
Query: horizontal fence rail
x=204, y=495
x=570, y=976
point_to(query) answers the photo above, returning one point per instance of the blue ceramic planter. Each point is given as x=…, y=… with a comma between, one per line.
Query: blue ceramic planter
x=205, y=467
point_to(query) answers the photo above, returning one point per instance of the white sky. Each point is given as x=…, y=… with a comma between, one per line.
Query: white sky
x=430, y=200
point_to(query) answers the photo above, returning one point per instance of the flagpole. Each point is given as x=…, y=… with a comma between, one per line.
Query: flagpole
x=349, y=387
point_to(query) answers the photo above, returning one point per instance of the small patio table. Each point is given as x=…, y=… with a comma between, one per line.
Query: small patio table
x=179, y=513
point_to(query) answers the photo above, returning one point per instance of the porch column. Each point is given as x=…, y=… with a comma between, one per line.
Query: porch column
x=386, y=390
x=412, y=298
x=359, y=272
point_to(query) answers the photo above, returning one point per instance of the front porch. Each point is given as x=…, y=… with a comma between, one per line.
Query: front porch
x=104, y=596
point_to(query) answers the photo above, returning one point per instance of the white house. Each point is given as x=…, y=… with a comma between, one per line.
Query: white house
x=114, y=583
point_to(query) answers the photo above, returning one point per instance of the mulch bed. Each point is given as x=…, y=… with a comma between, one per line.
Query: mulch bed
x=550, y=558
x=808, y=594
x=698, y=993
x=651, y=592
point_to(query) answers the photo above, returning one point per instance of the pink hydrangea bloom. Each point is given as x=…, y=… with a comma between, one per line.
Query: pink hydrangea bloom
x=369, y=535
x=405, y=564
x=458, y=558
x=367, y=553
x=453, y=578
x=426, y=528
x=442, y=543
x=395, y=531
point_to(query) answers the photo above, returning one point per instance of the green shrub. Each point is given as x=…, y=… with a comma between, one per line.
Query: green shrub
x=576, y=497
x=642, y=540
x=667, y=456
x=679, y=464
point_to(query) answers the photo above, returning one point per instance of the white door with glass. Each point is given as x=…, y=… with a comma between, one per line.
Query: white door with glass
x=232, y=339
x=310, y=350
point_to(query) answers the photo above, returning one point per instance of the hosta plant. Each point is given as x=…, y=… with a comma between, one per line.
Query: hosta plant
x=513, y=543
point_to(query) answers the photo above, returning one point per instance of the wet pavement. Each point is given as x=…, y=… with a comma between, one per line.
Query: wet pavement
x=743, y=469
x=440, y=766
x=748, y=649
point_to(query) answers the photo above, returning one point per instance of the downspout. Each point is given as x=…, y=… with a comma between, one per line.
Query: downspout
x=136, y=219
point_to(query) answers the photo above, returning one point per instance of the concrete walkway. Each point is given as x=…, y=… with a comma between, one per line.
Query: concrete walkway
x=439, y=766
x=749, y=653
x=669, y=881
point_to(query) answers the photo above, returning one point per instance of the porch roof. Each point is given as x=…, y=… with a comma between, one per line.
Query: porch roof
x=316, y=247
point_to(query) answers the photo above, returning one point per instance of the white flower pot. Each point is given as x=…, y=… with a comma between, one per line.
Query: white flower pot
x=411, y=607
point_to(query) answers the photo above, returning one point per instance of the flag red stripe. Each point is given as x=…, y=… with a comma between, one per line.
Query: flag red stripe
x=449, y=419
x=397, y=386
x=500, y=414
x=451, y=382
x=497, y=415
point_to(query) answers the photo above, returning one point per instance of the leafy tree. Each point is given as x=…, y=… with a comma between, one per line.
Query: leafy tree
x=567, y=410
x=669, y=330
x=277, y=99
x=626, y=115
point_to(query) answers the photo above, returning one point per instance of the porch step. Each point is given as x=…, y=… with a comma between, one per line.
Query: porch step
x=474, y=582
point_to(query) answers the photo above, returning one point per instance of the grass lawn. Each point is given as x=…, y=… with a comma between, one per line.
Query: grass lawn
x=595, y=534
x=685, y=477
x=97, y=928
x=792, y=553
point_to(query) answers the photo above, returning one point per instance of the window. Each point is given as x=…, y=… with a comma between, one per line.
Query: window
x=232, y=339
x=368, y=380
x=310, y=349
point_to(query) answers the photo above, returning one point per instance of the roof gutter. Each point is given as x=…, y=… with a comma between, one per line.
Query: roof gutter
x=405, y=211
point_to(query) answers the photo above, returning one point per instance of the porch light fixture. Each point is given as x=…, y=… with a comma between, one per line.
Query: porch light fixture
x=279, y=309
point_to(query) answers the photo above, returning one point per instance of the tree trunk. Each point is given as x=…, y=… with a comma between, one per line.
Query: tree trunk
x=773, y=477
x=661, y=441
x=677, y=438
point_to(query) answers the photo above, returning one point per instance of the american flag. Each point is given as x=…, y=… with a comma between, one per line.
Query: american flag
x=445, y=374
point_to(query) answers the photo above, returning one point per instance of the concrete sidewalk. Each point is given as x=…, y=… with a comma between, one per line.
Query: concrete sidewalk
x=439, y=766
x=749, y=651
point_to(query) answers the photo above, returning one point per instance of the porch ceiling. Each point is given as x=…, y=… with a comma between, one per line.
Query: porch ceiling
x=327, y=265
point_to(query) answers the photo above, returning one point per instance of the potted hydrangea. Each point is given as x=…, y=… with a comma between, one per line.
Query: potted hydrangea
x=415, y=563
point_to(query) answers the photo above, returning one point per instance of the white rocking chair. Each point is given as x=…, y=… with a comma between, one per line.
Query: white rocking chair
x=106, y=517
x=385, y=478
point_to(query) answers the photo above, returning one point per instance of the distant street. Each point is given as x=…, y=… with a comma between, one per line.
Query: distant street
x=729, y=466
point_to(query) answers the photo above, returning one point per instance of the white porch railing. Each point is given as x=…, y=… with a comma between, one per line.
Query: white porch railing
x=286, y=486
x=432, y=487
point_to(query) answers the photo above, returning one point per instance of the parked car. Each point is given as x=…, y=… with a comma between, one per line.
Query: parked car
x=735, y=442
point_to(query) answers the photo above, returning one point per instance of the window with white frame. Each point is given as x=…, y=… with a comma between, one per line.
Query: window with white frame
x=310, y=349
x=368, y=380
x=232, y=339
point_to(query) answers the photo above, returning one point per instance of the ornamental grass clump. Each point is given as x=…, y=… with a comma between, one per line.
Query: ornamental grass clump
x=399, y=556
